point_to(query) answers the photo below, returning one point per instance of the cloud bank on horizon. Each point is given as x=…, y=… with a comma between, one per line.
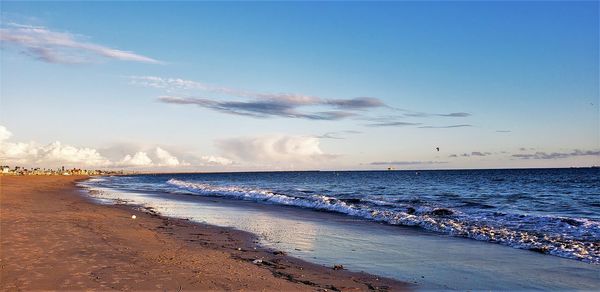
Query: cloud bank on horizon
x=255, y=151
x=58, y=154
x=259, y=151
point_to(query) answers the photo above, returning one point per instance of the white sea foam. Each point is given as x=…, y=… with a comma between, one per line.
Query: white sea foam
x=319, y=202
x=565, y=237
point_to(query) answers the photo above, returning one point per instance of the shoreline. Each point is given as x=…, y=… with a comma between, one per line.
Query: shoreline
x=432, y=260
x=53, y=237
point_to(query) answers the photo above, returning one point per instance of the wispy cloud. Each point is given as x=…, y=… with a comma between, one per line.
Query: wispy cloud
x=277, y=107
x=337, y=135
x=330, y=135
x=446, y=127
x=557, y=155
x=264, y=104
x=358, y=103
x=174, y=84
x=398, y=120
x=423, y=115
x=455, y=115
x=61, y=47
x=393, y=124
x=406, y=162
x=525, y=149
x=474, y=153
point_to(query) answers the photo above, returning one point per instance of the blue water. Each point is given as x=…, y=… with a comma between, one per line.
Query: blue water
x=552, y=211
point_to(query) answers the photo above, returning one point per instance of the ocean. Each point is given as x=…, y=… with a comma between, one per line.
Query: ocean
x=549, y=211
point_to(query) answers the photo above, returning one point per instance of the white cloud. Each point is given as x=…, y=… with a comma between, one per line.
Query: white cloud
x=216, y=160
x=273, y=148
x=62, y=47
x=138, y=159
x=165, y=158
x=18, y=152
x=172, y=83
x=58, y=154
x=5, y=134
x=261, y=150
x=162, y=158
x=53, y=154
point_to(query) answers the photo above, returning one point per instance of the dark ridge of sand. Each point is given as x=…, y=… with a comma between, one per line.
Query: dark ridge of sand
x=52, y=238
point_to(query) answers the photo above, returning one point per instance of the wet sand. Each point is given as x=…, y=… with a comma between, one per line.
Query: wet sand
x=53, y=238
x=431, y=260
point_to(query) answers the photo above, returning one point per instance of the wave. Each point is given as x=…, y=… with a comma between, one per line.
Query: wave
x=575, y=238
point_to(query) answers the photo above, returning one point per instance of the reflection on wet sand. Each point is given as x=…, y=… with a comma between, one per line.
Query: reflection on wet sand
x=430, y=259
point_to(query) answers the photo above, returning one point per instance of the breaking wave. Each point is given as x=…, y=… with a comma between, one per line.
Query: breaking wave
x=576, y=238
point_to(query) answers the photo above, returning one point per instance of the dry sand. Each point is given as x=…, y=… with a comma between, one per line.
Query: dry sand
x=52, y=238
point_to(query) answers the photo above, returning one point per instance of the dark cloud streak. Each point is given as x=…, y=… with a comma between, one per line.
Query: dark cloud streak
x=446, y=127
x=448, y=115
x=358, y=103
x=337, y=135
x=288, y=105
x=455, y=115
x=266, y=108
x=474, y=153
x=406, y=162
x=393, y=124
x=557, y=155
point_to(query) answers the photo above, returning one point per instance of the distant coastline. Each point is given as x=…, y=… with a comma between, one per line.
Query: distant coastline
x=20, y=171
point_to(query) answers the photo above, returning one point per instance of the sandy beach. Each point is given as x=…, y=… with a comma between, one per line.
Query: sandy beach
x=54, y=238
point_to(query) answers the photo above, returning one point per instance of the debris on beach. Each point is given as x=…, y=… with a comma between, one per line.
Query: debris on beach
x=279, y=252
x=257, y=261
x=133, y=216
x=338, y=267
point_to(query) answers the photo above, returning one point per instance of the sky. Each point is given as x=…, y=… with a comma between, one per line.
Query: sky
x=194, y=86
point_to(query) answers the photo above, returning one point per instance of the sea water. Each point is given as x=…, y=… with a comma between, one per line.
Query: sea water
x=555, y=212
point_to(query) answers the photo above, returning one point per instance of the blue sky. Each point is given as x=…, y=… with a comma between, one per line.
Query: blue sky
x=245, y=86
